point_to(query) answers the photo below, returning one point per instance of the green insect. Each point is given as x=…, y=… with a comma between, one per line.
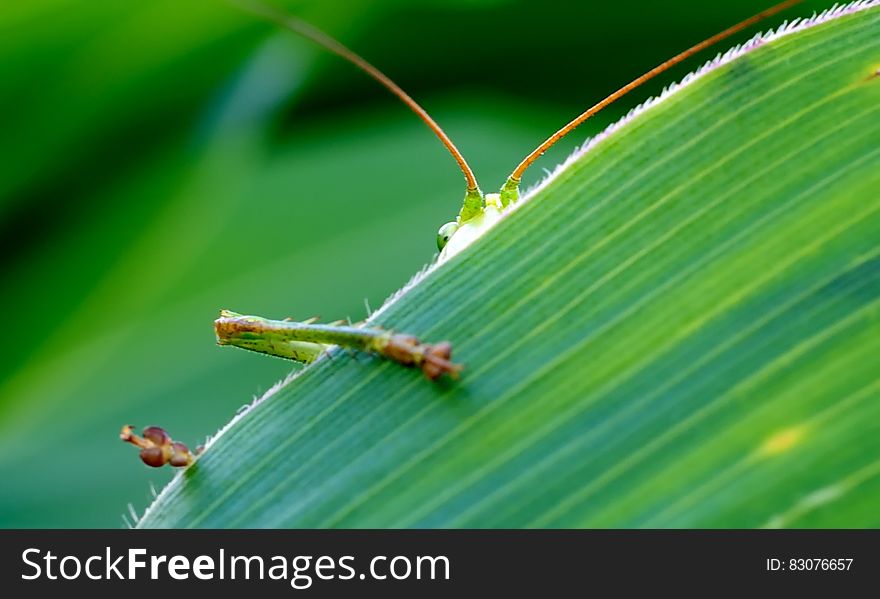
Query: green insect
x=306, y=341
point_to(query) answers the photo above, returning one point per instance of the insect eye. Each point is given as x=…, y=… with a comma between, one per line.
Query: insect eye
x=445, y=232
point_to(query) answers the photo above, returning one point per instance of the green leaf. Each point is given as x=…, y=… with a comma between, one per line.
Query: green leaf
x=680, y=328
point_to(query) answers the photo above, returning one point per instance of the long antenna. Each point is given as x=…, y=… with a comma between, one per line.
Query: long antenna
x=317, y=36
x=510, y=189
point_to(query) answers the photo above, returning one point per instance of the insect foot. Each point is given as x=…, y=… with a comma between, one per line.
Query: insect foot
x=158, y=448
x=433, y=359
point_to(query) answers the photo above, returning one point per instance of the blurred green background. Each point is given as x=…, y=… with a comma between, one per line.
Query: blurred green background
x=161, y=159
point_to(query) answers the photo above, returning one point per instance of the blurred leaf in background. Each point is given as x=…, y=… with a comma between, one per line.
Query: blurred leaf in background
x=162, y=160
